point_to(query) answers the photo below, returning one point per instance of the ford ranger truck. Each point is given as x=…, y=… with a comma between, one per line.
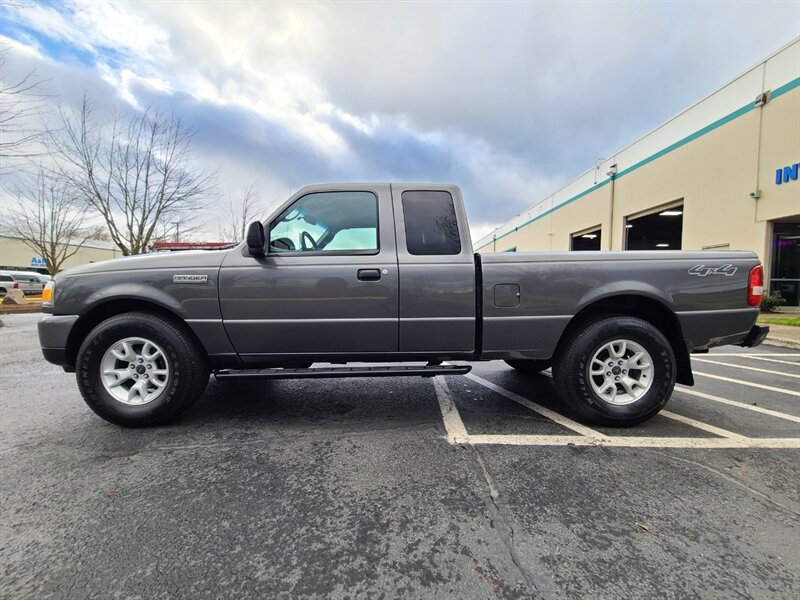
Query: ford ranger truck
x=385, y=274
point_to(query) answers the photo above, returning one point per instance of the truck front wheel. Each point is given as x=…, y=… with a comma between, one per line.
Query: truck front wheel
x=619, y=370
x=138, y=369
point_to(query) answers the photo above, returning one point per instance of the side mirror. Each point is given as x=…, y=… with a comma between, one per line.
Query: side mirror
x=256, y=240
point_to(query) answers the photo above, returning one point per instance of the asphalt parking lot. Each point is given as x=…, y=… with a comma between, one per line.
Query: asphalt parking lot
x=459, y=487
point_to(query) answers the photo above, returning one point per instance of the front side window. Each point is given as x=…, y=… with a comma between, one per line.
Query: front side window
x=327, y=222
x=431, y=224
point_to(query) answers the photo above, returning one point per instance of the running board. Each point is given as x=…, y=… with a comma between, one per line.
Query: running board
x=328, y=372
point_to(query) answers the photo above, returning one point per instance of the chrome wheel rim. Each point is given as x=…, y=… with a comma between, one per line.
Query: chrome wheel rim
x=621, y=372
x=135, y=371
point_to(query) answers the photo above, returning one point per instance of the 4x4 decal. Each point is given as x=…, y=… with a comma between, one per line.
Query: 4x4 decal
x=702, y=270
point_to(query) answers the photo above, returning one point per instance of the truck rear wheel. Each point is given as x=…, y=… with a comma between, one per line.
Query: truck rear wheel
x=619, y=370
x=529, y=367
x=138, y=369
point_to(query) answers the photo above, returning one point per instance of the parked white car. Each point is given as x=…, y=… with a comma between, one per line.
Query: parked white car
x=39, y=280
x=28, y=282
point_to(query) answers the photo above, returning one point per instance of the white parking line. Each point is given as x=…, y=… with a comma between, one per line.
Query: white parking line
x=700, y=425
x=545, y=412
x=746, y=367
x=749, y=384
x=456, y=432
x=754, y=354
x=772, y=360
x=692, y=422
x=632, y=442
x=758, y=409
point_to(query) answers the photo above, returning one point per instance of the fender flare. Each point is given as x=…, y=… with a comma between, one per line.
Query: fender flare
x=625, y=288
x=134, y=291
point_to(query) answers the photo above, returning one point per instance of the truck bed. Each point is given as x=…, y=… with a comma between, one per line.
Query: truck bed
x=554, y=287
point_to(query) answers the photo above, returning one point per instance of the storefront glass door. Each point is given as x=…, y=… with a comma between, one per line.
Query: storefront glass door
x=785, y=277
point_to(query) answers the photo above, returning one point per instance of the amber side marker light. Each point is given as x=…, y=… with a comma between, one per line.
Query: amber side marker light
x=47, y=294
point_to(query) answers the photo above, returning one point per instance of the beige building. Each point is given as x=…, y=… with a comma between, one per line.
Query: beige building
x=15, y=255
x=723, y=174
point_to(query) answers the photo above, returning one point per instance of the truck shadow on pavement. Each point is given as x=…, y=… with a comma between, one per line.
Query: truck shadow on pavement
x=343, y=406
x=303, y=404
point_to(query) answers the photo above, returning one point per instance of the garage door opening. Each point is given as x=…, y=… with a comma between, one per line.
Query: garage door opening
x=585, y=240
x=661, y=230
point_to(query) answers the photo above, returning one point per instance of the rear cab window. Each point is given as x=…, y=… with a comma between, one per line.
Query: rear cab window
x=431, y=226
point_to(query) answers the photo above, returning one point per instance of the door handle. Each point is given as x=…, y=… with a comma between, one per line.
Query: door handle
x=369, y=274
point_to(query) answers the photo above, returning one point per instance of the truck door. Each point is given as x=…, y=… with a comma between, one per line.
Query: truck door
x=328, y=284
x=437, y=271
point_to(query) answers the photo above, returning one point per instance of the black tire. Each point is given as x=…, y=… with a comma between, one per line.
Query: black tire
x=529, y=367
x=572, y=365
x=185, y=382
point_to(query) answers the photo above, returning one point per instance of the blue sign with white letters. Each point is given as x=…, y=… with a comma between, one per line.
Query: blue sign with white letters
x=786, y=174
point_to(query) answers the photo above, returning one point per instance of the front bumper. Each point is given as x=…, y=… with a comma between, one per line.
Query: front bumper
x=54, y=331
x=755, y=337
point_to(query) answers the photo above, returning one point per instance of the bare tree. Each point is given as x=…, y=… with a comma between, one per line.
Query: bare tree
x=50, y=220
x=237, y=215
x=99, y=232
x=20, y=102
x=136, y=172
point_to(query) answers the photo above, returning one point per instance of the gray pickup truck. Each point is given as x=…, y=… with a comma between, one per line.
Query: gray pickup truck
x=385, y=273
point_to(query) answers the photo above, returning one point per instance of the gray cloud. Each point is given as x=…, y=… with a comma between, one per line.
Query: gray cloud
x=507, y=99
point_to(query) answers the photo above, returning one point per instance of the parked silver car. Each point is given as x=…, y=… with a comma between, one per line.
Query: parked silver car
x=27, y=281
x=6, y=282
x=37, y=279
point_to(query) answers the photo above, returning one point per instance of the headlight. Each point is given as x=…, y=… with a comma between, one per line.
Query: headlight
x=47, y=294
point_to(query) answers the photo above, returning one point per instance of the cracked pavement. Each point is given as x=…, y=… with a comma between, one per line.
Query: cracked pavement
x=349, y=489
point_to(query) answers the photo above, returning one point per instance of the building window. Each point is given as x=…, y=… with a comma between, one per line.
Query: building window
x=586, y=240
x=512, y=249
x=659, y=230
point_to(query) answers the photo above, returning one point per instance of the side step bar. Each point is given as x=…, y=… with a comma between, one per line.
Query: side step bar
x=328, y=372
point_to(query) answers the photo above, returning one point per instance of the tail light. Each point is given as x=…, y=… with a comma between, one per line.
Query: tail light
x=755, y=286
x=16, y=285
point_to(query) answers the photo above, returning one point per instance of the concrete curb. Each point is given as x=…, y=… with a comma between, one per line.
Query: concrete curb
x=783, y=335
x=782, y=342
x=19, y=309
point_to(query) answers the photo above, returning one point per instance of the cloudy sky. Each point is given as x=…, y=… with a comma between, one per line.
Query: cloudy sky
x=508, y=100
